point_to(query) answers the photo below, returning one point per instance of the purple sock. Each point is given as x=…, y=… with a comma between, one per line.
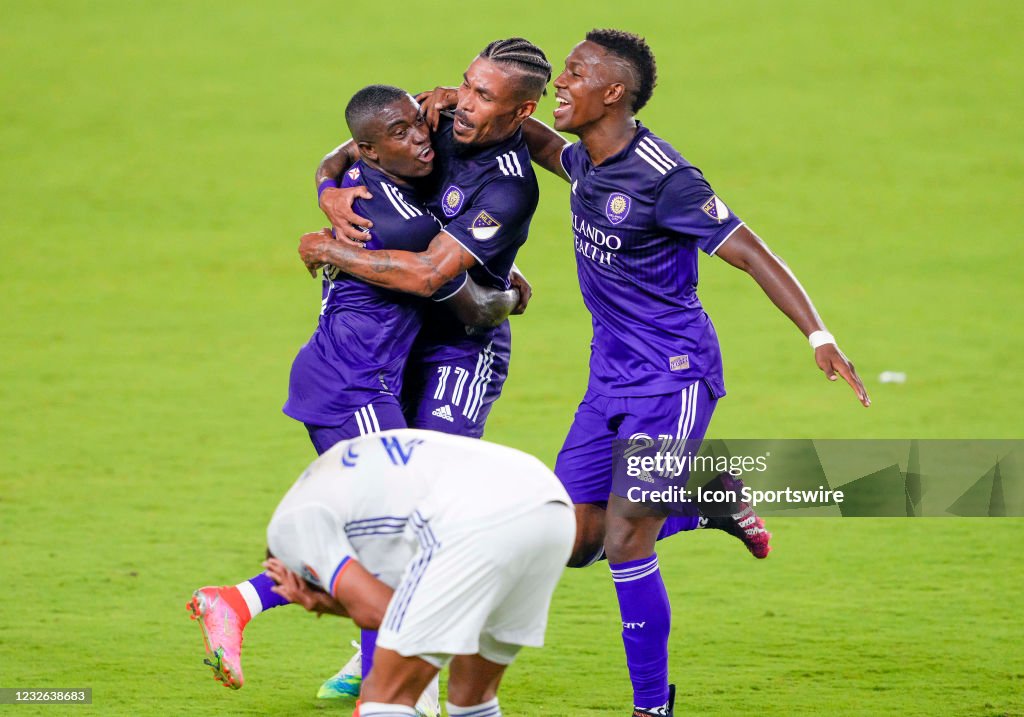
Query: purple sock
x=678, y=524
x=646, y=619
x=268, y=598
x=368, y=644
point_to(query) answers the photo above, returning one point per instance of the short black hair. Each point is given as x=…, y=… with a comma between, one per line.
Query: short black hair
x=529, y=61
x=365, y=105
x=634, y=50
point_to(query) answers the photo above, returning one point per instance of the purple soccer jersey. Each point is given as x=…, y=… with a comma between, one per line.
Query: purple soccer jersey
x=638, y=219
x=486, y=197
x=358, y=351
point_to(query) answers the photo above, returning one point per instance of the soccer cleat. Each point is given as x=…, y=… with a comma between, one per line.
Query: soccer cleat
x=222, y=634
x=665, y=710
x=347, y=682
x=429, y=703
x=737, y=518
x=749, y=528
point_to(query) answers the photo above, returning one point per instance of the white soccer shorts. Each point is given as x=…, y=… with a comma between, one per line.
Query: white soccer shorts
x=485, y=591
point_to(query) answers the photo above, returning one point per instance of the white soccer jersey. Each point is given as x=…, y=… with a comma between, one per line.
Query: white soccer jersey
x=379, y=499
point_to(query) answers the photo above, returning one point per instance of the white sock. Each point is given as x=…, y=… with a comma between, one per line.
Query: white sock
x=251, y=597
x=484, y=709
x=379, y=709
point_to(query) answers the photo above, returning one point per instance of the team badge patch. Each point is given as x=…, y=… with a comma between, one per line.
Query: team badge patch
x=617, y=207
x=679, y=363
x=716, y=209
x=452, y=201
x=354, y=173
x=484, y=226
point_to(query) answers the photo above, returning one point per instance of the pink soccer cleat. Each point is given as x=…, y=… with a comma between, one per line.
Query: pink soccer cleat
x=744, y=524
x=748, y=526
x=222, y=614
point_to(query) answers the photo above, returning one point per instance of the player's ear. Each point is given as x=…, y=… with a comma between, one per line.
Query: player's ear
x=525, y=110
x=366, y=149
x=614, y=92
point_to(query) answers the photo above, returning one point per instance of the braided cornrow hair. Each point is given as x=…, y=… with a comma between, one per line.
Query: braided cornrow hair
x=528, y=59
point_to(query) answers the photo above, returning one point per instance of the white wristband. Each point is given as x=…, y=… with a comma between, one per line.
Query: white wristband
x=820, y=338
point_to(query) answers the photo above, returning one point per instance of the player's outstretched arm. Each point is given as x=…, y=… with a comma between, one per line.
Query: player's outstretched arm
x=545, y=145
x=419, y=273
x=335, y=202
x=746, y=251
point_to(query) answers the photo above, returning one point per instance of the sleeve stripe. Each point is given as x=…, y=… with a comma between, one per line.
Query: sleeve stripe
x=657, y=163
x=411, y=207
x=394, y=203
x=656, y=150
x=719, y=245
x=561, y=157
x=509, y=165
x=346, y=561
x=515, y=160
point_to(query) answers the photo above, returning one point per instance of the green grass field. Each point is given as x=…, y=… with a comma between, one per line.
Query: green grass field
x=156, y=173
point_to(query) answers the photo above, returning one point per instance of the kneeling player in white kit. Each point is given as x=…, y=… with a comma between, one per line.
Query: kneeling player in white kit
x=451, y=546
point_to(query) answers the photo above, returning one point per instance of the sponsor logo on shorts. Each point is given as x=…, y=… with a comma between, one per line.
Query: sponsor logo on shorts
x=679, y=363
x=445, y=413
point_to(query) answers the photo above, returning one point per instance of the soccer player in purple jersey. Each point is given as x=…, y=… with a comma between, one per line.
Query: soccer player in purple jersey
x=486, y=192
x=346, y=380
x=640, y=212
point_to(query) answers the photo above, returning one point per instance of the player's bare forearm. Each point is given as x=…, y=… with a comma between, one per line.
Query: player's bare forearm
x=296, y=590
x=482, y=307
x=363, y=595
x=545, y=145
x=746, y=251
x=418, y=273
x=337, y=161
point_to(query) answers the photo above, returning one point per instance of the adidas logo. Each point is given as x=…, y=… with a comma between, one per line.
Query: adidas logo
x=444, y=412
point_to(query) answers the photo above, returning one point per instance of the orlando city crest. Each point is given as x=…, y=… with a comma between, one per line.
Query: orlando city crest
x=617, y=207
x=451, y=201
x=484, y=226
